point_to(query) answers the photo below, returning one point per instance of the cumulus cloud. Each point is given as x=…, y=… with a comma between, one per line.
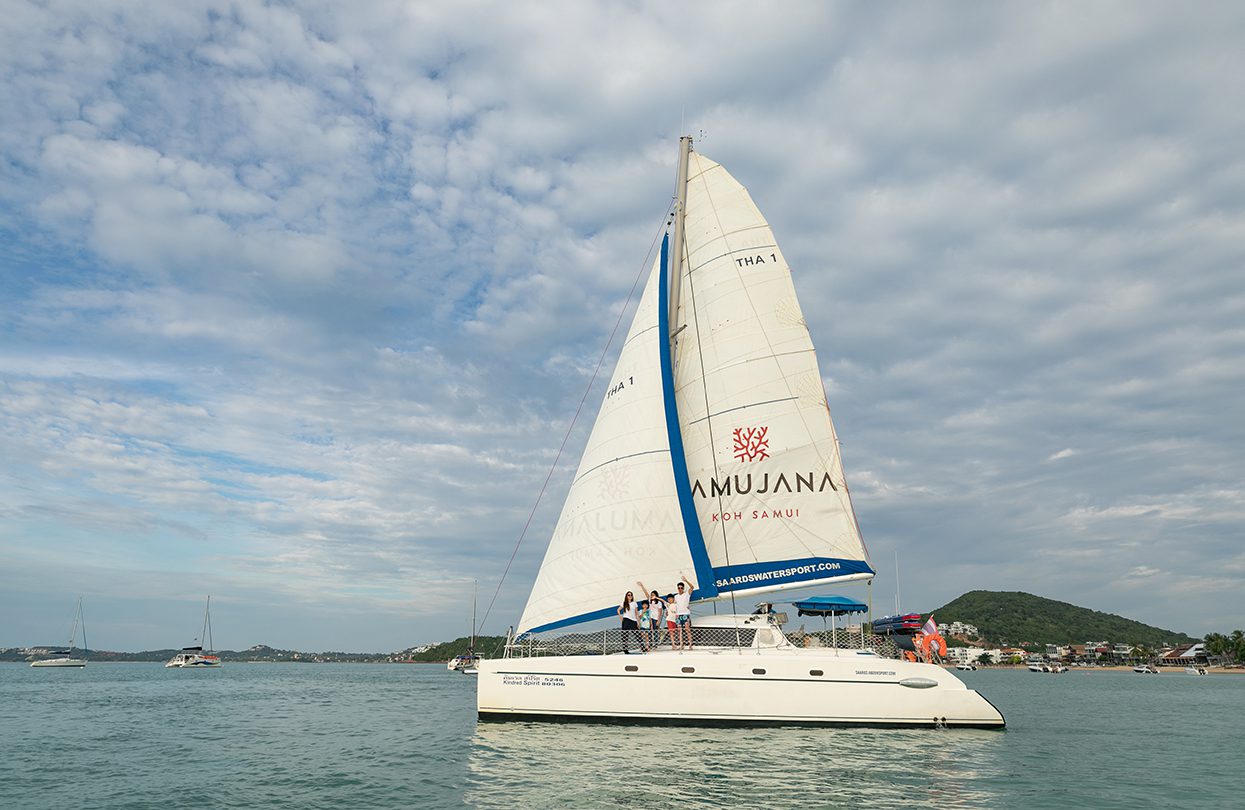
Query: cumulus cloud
x=299, y=298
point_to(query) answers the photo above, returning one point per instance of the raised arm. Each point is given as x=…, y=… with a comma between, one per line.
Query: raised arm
x=643, y=590
x=691, y=586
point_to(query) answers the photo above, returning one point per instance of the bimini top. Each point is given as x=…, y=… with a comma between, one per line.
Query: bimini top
x=825, y=605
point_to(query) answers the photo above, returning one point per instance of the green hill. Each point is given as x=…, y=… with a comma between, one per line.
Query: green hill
x=488, y=646
x=1015, y=617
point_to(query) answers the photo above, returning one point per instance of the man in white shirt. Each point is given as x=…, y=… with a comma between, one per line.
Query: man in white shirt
x=683, y=611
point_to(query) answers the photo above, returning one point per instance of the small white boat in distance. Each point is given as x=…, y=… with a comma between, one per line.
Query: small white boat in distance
x=1146, y=669
x=196, y=657
x=966, y=667
x=66, y=658
x=464, y=663
x=1195, y=670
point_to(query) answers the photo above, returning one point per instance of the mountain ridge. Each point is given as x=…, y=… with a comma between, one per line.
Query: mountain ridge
x=1017, y=617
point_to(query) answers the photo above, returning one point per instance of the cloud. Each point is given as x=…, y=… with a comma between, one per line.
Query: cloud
x=299, y=299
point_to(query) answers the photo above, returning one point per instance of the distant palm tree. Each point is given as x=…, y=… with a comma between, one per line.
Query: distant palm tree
x=1216, y=645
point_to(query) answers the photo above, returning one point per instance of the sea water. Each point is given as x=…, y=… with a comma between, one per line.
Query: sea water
x=380, y=736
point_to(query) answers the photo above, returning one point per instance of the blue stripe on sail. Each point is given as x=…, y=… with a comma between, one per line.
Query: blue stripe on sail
x=784, y=572
x=603, y=613
x=705, y=588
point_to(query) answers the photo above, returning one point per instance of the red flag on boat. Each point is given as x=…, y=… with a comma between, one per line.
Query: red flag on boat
x=930, y=629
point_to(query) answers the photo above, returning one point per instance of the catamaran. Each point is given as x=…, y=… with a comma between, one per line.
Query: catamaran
x=713, y=456
x=196, y=657
x=65, y=657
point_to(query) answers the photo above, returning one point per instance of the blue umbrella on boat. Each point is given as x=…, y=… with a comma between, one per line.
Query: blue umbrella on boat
x=831, y=606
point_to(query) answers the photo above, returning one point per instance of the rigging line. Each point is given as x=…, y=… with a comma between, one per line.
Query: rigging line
x=622, y=312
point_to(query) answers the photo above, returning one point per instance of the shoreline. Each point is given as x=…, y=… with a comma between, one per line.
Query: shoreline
x=1114, y=668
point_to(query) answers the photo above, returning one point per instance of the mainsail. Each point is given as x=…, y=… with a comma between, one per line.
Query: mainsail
x=713, y=453
x=762, y=454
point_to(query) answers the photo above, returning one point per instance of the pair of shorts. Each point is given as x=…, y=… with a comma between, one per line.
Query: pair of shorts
x=670, y=625
x=682, y=619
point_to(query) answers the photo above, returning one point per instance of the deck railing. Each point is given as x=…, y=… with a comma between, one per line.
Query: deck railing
x=743, y=639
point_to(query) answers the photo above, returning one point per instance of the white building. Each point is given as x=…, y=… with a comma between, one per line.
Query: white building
x=971, y=655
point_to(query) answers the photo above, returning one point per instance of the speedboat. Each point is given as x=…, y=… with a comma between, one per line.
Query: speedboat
x=1195, y=670
x=966, y=667
x=1146, y=669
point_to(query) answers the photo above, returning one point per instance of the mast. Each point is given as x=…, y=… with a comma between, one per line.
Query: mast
x=680, y=211
x=206, y=633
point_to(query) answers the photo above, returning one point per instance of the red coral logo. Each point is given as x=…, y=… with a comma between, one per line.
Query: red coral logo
x=751, y=444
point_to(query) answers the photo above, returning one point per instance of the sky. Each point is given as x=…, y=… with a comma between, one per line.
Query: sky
x=298, y=300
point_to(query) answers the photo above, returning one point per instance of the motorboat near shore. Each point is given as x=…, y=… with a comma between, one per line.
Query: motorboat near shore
x=1042, y=666
x=1146, y=669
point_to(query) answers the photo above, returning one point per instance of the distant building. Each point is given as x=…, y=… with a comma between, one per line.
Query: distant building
x=958, y=629
x=1186, y=655
x=963, y=655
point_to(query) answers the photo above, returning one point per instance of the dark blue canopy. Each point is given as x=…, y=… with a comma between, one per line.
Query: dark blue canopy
x=825, y=605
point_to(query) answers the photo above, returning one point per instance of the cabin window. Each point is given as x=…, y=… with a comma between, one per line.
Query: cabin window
x=817, y=673
x=633, y=669
x=758, y=672
x=689, y=669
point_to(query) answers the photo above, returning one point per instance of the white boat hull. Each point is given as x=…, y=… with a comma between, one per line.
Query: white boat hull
x=771, y=686
x=60, y=662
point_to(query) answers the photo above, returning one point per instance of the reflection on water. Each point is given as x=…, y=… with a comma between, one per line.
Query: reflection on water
x=563, y=764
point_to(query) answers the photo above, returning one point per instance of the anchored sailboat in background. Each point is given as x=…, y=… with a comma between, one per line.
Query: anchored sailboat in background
x=468, y=662
x=713, y=454
x=196, y=657
x=66, y=658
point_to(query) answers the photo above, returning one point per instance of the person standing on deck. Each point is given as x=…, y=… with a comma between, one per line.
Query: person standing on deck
x=683, y=611
x=630, y=623
x=656, y=615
